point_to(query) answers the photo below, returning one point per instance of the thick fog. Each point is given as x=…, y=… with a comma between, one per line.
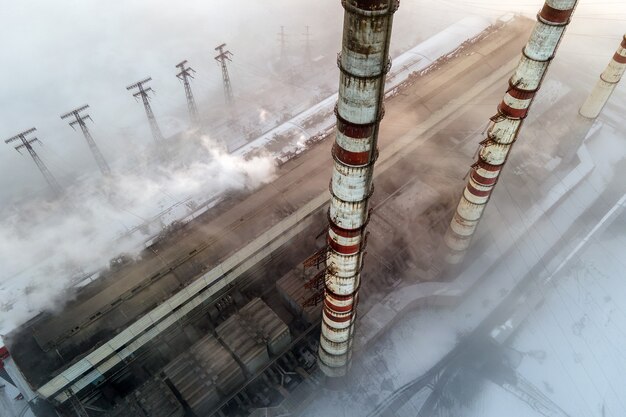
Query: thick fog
x=58, y=55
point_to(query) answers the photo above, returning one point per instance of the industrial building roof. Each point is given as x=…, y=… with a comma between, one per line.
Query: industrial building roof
x=202, y=373
x=250, y=332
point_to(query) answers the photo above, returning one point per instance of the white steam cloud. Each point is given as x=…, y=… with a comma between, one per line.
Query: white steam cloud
x=46, y=245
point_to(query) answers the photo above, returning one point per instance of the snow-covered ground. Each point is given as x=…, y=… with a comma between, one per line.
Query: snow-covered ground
x=12, y=402
x=574, y=345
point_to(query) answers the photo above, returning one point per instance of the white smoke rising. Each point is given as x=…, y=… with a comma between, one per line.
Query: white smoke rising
x=45, y=246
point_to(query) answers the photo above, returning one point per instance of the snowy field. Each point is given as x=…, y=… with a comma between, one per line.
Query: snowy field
x=574, y=345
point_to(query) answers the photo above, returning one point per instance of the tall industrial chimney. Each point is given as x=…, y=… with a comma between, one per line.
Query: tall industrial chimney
x=493, y=152
x=606, y=84
x=363, y=63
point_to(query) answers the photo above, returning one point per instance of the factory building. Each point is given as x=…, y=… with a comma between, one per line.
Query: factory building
x=152, y=399
x=203, y=374
x=241, y=331
x=253, y=334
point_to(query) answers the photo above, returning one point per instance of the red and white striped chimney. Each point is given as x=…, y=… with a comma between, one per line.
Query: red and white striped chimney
x=363, y=63
x=552, y=21
x=606, y=84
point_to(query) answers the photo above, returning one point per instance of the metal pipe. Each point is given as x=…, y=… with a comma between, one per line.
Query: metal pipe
x=363, y=63
x=493, y=152
x=606, y=84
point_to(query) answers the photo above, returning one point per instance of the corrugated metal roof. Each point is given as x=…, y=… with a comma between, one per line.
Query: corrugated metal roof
x=157, y=400
x=243, y=342
x=82, y=383
x=53, y=386
x=109, y=363
x=99, y=355
x=252, y=331
x=291, y=287
x=199, y=372
x=77, y=370
x=268, y=322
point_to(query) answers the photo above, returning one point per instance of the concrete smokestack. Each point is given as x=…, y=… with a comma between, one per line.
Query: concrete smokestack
x=363, y=63
x=606, y=84
x=552, y=21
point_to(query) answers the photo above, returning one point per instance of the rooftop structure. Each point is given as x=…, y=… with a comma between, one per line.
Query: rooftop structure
x=153, y=399
x=253, y=334
x=299, y=290
x=202, y=373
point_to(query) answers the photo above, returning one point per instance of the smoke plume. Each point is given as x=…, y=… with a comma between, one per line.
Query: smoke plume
x=46, y=246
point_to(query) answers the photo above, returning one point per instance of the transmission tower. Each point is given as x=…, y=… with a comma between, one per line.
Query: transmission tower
x=184, y=75
x=222, y=58
x=27, y=143
x=282, y=38
x=307, y=45
x=80, y=121
x=143, y=92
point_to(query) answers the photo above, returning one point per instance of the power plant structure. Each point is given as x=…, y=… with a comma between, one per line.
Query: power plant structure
x=186, y=72
x=229, y=314
x=505, y=126
x=79, y=119
x=27, y=144
x=606, y=84
x=363, y=63
x=145, y=98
